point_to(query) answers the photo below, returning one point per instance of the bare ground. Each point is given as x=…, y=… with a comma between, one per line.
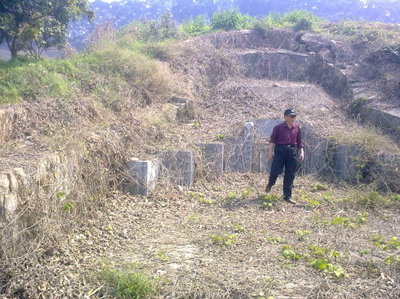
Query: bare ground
x=170, y=237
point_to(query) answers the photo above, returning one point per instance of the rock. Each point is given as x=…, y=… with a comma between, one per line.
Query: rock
x=275, y=64
x=142, y=177
x=185, y=108
x=239, y=151
x=178, y=167
x=211, y=163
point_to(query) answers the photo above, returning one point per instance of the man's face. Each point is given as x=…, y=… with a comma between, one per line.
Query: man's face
x=289, y=118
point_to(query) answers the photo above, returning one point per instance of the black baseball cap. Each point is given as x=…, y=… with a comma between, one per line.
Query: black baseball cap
x=289, y=112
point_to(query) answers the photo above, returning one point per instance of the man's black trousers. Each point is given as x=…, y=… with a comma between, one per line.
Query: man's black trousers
x=285, y=156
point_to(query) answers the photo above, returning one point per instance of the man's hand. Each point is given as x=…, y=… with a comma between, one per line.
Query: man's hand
x=301, y=155
x=270, y=156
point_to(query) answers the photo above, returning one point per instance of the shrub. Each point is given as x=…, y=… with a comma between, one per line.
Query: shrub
x=230, y=20
x=298, y=20
x=195, y=27
x=301, y=20
x=127, y=283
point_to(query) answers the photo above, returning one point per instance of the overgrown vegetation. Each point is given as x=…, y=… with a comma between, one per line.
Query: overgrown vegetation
x=127, y=283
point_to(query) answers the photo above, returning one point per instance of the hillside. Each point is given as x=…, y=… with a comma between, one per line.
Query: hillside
x=69, y=128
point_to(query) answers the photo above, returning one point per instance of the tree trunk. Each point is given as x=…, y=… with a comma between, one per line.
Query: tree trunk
x=14, y=50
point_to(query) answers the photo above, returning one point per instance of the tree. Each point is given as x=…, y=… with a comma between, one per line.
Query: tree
x=36, y=25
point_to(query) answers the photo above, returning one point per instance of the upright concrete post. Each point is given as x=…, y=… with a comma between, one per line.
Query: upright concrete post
x=142, y=177
x=212, y=159
x=178, y=167
x=239, y=151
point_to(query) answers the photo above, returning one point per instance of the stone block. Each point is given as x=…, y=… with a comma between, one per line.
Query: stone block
x=178, y=167
x=239, y=151
x=276, y=64
x=263, y=127
x=260, y=157
x=185, y=108
x=349, y=162
x=315, y=151
x=142, y=177
x=212, y=159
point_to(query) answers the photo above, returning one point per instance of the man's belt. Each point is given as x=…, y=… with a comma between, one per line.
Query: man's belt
x=287, y=145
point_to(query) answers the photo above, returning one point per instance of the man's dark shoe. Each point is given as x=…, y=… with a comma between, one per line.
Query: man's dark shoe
x=290, y=200
x=268, y=189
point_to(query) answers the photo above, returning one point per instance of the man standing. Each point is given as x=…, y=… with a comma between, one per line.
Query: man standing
x=285, y=149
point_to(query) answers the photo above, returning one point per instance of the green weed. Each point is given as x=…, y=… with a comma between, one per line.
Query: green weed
x=275, y=240
x=224, y=240
x=315, y=187
x=162, y=256
x=289, y=253
x=386, y=245
x=302, y=234
x=324, y=265
x=127, y=283
x=269, y=200
x=237, y=228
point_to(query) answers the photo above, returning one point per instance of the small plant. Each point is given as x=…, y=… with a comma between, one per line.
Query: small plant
x=324, y=252
x=275, y=240
x=246, y=192
x=224, y=240
x=269, y=200
x=162, y=256
x=363, y=252
x=386, y=245
x=289, y=253
x=231, y=198
x=67, y=207
x=302, y=234
x=324, y=265
x=220, y=136
x=311, y=203
x=201, y=198
x=318, y=187
x=237, y=228
x=127, y=283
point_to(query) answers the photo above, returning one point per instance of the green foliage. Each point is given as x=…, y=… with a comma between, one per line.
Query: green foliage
x=298, y=20
x=269, y=200
x=103, y=73
x=237, y=228
x=275, y=240
x=224, y=240
x=230, y=20
x=302, y=234
x=201, y=198
x=289, y=253
x=386, y=245
x=162, y=256
x=127, y=283
x=355, y=222
x=195, y=27
x=316, y=187
x=324, y=265
x=38, y=25
x=67, y=207
x=155, y=30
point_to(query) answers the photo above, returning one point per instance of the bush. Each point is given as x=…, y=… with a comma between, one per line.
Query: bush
x=301, y=20
x=230, y=20
x=127, y=283
x=195, y=27
x=298, y=20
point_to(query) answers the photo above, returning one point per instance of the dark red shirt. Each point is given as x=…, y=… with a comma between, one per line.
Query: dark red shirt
x=282, y=134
